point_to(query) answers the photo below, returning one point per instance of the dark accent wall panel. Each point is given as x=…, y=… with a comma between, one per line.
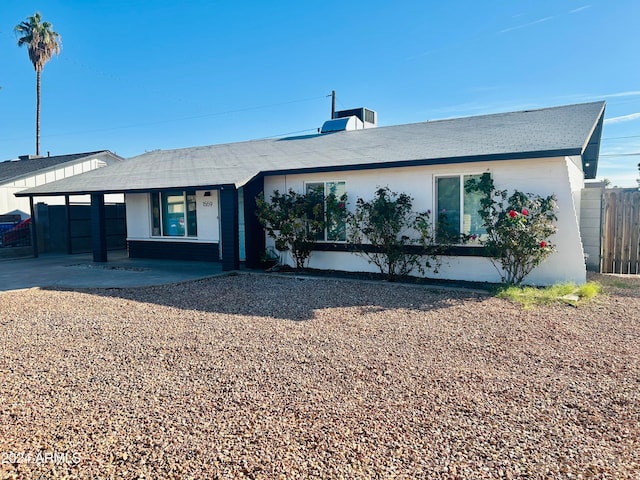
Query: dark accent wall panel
x=229, y=228
x=80, y=228
x=116, y=218
x=56, y=233
x=67, y=229
x=254, y=241
x=204, y=252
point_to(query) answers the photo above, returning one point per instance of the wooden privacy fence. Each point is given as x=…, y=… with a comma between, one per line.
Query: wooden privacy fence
x=620, y=231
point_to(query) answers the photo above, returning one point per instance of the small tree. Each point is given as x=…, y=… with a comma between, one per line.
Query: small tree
x=518, y=228
x=391, y=236
x=295, y=221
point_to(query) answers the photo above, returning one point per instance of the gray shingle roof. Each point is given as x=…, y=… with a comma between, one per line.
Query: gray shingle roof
x=17, y=168
x=556, y=131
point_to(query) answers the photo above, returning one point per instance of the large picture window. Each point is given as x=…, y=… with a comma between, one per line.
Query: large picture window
x=334, y=231
x=174, y=214
x=457, y=209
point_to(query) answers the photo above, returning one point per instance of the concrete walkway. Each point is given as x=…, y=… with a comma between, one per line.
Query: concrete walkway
x=79, y=271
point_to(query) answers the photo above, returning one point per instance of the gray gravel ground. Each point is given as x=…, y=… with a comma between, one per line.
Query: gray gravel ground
x=252, y=376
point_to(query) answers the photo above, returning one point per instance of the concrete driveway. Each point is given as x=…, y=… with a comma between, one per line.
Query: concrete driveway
x=79, y=271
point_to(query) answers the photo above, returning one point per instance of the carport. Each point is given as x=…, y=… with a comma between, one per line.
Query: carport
x=219, y=185
x=69, y=228
x=92, y=184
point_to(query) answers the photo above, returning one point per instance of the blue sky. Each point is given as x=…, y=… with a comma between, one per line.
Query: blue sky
x=138, y=75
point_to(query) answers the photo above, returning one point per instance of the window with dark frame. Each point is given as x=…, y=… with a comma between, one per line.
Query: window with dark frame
x=174, y=214
x=334, y=232
x=457, y=210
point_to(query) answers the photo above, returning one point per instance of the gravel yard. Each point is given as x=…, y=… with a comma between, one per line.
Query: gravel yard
x=254, y=376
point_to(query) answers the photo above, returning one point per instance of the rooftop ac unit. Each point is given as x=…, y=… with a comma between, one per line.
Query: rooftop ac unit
x=368, y=117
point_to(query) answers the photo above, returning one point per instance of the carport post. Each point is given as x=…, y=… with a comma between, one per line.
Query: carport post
x=254, y=238
x=229, y=228
x=67, y=209
x=98, y=228
x=34, y=231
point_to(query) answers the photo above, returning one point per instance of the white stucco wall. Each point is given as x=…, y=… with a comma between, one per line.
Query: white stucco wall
x=544, y=177
x=572, y=224
x=139, y=218
x=9, y=202
x=590, y=223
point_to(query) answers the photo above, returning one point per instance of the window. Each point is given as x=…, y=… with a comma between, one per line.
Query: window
x=173, y=214
x=334, y=232
x=457, y=209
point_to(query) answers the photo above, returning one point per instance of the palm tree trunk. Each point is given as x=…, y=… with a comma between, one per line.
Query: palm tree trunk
x=37, y=112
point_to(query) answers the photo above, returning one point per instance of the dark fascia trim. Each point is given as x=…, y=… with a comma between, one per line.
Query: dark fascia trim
x=452, y=251
x=431, y=161
x=133, y=190
x=171, y=189
x=591, y=151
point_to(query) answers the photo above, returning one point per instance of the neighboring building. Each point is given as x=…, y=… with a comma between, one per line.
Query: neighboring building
x=199, y=203
x=32, y=171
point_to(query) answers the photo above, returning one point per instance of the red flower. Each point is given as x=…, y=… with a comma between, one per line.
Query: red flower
x=525, y=212
x=341, y=205
x=513, y=214
x=543, y=244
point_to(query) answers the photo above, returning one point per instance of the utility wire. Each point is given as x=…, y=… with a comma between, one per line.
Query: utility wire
x=620, y=154
x=618, y=138
x=179, y=119
x=289, y=133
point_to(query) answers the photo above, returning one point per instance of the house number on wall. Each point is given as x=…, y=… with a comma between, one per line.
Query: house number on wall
x=207, y=203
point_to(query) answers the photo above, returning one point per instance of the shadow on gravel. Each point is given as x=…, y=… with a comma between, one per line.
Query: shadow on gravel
x=289, y=298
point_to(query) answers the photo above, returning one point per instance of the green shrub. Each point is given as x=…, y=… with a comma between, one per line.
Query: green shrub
x=518, y=228
x=384, y=229
x=295, y=220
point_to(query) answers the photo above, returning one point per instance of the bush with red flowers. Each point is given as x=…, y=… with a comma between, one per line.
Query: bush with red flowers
x=518, y=228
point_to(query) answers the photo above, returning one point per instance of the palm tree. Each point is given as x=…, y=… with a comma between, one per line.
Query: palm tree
x=42, y=43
